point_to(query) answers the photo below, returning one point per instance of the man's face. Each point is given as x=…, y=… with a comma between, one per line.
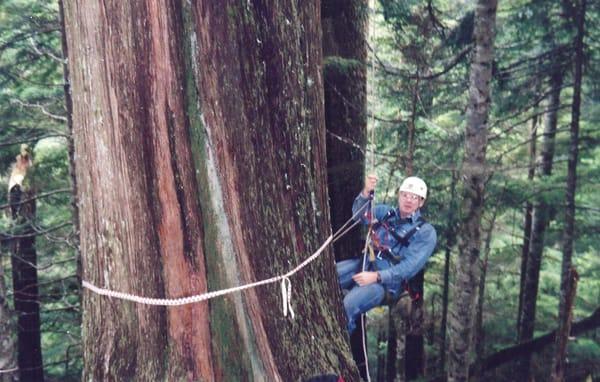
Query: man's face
x=409, y=203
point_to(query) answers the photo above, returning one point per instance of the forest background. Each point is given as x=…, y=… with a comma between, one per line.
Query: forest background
x=418, y=65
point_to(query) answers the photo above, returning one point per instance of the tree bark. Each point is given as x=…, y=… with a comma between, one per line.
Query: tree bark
x=381, y=355
x=24, y=269
x=568, y=281
x=395, y=335
x=564, y=327
x=240, y=125
x=540, y=218
x=478, y=333
x=474, y=174
x=70, y=145
x=8, y=346
x=414, y=352
x=528, y=215
x=345, y=82
x=450, y=242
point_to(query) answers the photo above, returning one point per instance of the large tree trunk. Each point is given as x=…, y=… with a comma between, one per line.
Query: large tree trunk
x=256, y=158
x=567, y=284
x=345, y=83
x=474, y=174
x=540, y=218
x=24, y=269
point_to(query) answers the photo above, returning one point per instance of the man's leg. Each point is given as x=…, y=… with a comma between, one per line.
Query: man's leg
x=360, y=300
x=346, y=269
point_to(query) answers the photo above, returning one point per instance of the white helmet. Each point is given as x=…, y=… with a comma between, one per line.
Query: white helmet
x=415, y=185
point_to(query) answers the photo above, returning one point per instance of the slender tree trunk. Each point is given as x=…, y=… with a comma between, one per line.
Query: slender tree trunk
x=345, y=83
x=392, y=348
x=8, y=346
x=568, y=283
x=395, y=365
x=450, y=242
x=528, y=215
x=533, y=136
x=564, y=328
x=74, y=239
x=414, y=352
x=474, y=174
x=478, y=333
x=414, y=356
x=24, y=270
x=200, y=176
x=381, y=355
x=540, y=218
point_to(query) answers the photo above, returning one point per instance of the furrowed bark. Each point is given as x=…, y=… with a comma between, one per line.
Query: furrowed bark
x=263, y=115
x=8, y=343
x=201, y=162
x=141, y=232
x=345, y=82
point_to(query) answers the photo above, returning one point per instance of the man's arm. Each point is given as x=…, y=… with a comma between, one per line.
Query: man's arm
x=414, y=257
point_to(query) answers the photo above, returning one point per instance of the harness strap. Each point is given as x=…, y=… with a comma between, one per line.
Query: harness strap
x=403, y=241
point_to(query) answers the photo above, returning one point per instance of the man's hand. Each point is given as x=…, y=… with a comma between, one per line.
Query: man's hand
x=370, y=183
x=365, y=278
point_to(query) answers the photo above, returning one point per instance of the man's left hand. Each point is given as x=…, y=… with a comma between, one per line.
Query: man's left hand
x=365, y=278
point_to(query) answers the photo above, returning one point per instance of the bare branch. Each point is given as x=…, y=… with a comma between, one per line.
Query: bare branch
x=5, y=237
x=39, y=196
x=46, y=52
x=41, y=108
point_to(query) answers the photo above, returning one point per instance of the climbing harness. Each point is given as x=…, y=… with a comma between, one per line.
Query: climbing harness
x=286, y=284
x=403, y=240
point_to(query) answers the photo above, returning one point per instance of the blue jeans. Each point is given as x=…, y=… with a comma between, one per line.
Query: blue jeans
x=359, y=299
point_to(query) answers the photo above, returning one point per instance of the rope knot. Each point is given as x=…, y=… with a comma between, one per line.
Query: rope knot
x=286, y=294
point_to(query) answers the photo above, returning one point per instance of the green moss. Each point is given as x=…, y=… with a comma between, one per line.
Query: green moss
x=340, y=65
x=229, y=362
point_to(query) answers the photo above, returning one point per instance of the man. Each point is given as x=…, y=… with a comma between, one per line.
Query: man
x=400, y=243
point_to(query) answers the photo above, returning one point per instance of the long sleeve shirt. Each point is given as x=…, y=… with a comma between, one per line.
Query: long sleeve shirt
x=412, y=257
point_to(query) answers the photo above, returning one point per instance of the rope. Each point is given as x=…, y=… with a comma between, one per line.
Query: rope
x=9, y=370
x=286, y=284
x=362, y=316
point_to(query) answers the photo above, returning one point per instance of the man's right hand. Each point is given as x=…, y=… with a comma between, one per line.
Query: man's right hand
x=370, y=183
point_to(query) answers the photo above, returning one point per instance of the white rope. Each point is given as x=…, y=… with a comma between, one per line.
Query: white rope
x=286, y=284
x=286, y=293
x=9, y=370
